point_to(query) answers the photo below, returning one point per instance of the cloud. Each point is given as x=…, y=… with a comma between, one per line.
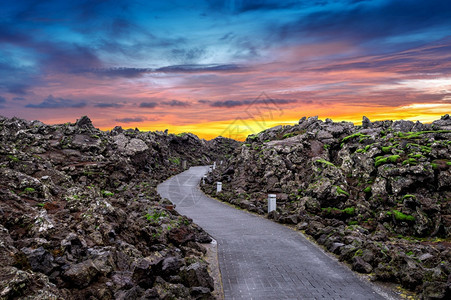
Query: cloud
x=200, y=68
x=138, y=72
x=2, y=100
x=121, y=72
x=235, y=103
x=148, y=104
x=131, y=120
x=251, y=5
x=175, y=103
x=52, y=102
x=108, y=105
x=365, y=22
x=187, y=55
x=19, y=99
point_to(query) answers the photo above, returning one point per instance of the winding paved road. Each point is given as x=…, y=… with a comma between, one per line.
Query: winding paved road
x=258, y=258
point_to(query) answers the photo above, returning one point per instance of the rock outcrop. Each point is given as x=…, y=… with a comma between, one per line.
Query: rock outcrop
x=376, y=195
x=80, y=217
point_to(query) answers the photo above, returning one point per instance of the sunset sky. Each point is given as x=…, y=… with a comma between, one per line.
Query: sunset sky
x=226, y=68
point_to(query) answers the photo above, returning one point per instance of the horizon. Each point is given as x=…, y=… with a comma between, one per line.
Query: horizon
x=224, y=67
x=240, y=138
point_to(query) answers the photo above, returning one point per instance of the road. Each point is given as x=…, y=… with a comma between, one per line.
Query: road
x=261, y=259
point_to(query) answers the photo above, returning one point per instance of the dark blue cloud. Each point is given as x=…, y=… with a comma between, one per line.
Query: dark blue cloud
x=191, y=68
x=366, y=21
x=13, y=78
x=148, y=104
x=131, y=120
x=199, y=68
x=2, y=99
x=174, y=103
x=108, y=105
x=19, y=99
x=52, y=102
x=235, y=103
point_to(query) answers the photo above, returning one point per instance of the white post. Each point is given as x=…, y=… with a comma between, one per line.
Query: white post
x=203, y=179
x=271, y=202
x=214, y=165
x=209, y=169
x=218, y=187
x=221, y=162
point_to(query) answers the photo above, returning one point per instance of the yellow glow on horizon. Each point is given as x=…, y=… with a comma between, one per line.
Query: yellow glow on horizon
x=239, y=128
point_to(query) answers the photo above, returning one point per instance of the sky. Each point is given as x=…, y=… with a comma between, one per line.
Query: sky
x=227, y=68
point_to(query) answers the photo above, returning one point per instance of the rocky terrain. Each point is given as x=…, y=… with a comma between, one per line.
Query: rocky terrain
x=80, y=217
x=376, y=195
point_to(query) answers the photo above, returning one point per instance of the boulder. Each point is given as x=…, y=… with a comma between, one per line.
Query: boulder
x=82, y=274
x=196, y=275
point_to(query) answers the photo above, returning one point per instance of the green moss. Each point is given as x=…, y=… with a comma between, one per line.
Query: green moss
x=417, y=155
x=247, y=145
x=358, y=134
x=349, y=210
x=155, y=216
x=288, y=135
x=175, y=160
x=326, y=146
x=353, y=223
x=416, y=135
x=29, y=190
x=329, y=210
x=448, y=163
x=410, y=161
x=13, y=158
x=107, y=193
x=181, y=134
x=360, y=151
x=380, y=160
x=340, y=191
x=402, y=217
x=387, y=149
x=426, y=149
x=434, y=166
x=323, y=161
x=358, y=252
x=367, y=189
x=393, y=158
x=408, y=196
